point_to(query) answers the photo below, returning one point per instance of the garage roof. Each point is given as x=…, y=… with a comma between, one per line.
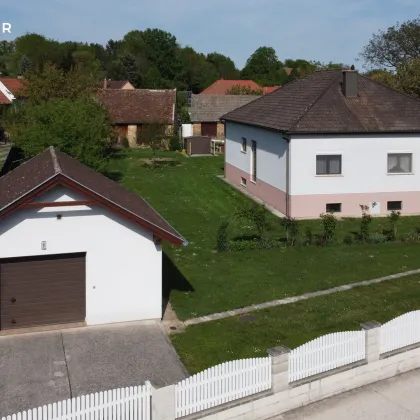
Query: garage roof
x=52, y=167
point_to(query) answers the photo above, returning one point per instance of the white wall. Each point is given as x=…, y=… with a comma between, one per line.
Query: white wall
x=364, y=164
x=123, y=265
x=271, y=152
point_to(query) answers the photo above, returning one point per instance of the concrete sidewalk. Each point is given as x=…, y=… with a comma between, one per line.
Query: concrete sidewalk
x=393, y=399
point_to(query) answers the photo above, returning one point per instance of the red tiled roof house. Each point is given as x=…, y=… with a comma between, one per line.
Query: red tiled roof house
x=132, y=109
x=328, y=142
x=76, y=247
x=10, y=89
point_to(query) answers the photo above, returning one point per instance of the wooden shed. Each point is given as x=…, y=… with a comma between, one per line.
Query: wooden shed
x=197, y=145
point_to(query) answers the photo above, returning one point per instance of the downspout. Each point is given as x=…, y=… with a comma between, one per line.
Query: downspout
x=288, y=177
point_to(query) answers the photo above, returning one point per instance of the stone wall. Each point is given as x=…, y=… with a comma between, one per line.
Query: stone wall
x=220, y=131
x=132, y=135
x=197, y=129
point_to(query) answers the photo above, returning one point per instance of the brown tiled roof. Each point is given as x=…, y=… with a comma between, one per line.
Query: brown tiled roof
x=220, y=87
x=116, y=84
x=315, y=103
x=209, y=108
x=139, y=106
x=15, y=85
x=53, y=164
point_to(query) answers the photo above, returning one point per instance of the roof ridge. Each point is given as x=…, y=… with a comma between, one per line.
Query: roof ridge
x=56, y=162
x=315, y=101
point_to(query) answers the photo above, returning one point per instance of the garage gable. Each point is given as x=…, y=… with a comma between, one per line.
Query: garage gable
x=21, y=187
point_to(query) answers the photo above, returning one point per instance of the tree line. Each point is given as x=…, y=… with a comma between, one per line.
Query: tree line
x=152, y=59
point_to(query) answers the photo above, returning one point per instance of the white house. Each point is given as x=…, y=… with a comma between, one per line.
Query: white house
x=76, y=247
x=329, y=141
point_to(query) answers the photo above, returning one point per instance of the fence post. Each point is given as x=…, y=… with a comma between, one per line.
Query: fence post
x=279, y=368
x=372, y=340
x=163, y=403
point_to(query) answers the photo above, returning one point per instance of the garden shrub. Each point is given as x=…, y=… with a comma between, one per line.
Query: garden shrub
x=348, y=239
x=309, y=235
x=329, y=222
x=125, y=143
x=257, y=214
x=292, y=229
x=393, y=218
x=174, y=144
x=413, y=236
x=222, y=243
x=377, y=238
x=365, y=222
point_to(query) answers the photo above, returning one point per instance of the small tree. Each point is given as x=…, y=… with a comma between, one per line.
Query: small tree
x=329, y=222
x=365, y=223
x=393, y=219
x=292, y=229
x=243, y=90
x=256, y=214
x=152, y=135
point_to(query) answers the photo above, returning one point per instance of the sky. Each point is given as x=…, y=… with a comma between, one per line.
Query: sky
x=321, y=30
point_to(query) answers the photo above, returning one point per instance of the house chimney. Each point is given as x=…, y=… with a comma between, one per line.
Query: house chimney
x=105, y=83
x=349, y=84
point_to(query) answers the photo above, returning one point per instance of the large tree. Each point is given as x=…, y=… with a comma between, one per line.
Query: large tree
x=79, y=127
x=264, y=68
x=60, y=110
x=397, y=45
x=224, y=66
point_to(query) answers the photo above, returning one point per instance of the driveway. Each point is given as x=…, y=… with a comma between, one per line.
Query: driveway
x=42, y=368
x=392, y=399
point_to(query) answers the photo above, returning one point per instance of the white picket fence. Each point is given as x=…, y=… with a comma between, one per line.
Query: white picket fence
x=131, y=403
x=400, y=332
x=222, y=383
x=327, y=352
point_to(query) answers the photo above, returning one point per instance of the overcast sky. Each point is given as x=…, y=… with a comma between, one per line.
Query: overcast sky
x=324, y=30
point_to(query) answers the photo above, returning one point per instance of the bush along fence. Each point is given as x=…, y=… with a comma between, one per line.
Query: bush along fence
x=260, y=387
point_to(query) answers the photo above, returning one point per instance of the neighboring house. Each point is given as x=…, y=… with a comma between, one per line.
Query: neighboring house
x=329, y=141
x=76, y=247
x=10, y=89
x=206, y=111
x=130, y=110
x=117, y=84
x=222, y=86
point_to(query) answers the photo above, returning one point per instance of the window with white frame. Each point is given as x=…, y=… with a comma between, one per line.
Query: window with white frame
x=328, y=165
x=400, y=163
x=243, y=147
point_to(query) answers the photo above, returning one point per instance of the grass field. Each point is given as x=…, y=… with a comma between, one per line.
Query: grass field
x=205, y=345
x=189, y=195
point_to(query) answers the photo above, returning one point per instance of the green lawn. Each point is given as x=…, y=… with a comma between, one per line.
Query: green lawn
x=205, y=345
x=191, y=197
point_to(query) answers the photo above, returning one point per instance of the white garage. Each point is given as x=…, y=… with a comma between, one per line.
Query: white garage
x=77, y=247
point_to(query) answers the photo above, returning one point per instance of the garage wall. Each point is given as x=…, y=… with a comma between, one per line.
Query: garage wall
x=123, y=265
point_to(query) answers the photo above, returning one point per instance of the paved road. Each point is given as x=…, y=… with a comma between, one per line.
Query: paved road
x=397, y=398
x=42, y=368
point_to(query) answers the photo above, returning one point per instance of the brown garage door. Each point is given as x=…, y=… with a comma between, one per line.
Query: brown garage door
x=42, y=290
x=209, y=129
